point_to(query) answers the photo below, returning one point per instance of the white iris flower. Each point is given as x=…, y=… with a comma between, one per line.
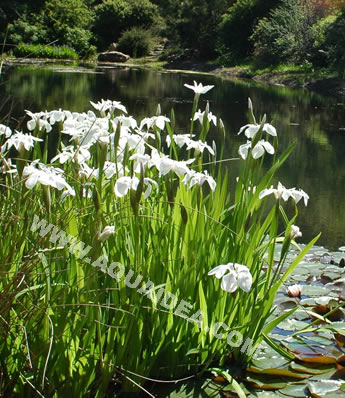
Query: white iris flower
x=238, y=276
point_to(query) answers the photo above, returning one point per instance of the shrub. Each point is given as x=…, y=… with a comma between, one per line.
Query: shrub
x=69, y=22
x=238, y=24
x=137, y=42
x=42, y=51
x=335, y=43
x=320, y=48
x=79, y=39
x=28, y=28
x=194, y=25
x=286, y=35
x=112, y=17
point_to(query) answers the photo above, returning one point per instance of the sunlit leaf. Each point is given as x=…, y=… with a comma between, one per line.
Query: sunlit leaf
x=321, y=388
x=266, y=382
x=312, y=369
x=278, y=372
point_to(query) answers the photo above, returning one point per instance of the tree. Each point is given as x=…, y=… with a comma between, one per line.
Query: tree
x=194, y=23
x=115, y=16
x=238, y=24
x=335, y=43
x=69, y=22
x=286, y=35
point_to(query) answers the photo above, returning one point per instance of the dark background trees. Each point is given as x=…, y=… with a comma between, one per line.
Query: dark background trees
x=265, y=32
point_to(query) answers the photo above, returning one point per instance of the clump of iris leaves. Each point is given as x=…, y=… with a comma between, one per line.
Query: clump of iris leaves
x=159, y=203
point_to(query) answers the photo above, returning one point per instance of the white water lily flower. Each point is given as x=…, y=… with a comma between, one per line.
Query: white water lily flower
x=238, y=276
x=20, y=141
x=45, y=175
x=6, y=131
x=283, y=193
x=199, y=88
x=195, y=178
x=80, y=154
x=251, y=129
x=108, y=231
x=200, y=116
x=295, y=232
x=108, y=105
x=158, y=121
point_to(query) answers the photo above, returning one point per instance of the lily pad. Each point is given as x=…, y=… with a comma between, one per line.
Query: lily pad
x=292, y=325
x=308, y=301
x=278, y=362
x=323, y=300
x=310, y=368
x=323, y=387
x=316, y=291
x=281, y=373
x=266, y=382
x=295, y=390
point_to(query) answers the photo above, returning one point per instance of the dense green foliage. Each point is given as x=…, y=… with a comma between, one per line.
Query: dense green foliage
x=137, y=42
x=238, y=24
x=153, y=226
x=268, y=32
x=115, y=16
x=286, y=35
x=334, y=43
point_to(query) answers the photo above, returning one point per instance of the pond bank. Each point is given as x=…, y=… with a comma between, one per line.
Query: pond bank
x=327, y=85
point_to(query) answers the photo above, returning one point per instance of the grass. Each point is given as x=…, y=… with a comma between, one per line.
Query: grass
x=44, y=51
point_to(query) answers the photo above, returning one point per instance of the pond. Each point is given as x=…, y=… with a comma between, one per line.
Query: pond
x=316, y=123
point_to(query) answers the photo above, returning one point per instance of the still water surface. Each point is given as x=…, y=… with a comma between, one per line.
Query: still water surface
x=316, y=123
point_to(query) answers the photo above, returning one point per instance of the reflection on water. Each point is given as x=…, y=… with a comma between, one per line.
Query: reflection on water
x=316, y=123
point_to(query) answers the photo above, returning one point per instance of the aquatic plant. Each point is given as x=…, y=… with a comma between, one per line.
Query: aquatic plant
x=111, y=232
